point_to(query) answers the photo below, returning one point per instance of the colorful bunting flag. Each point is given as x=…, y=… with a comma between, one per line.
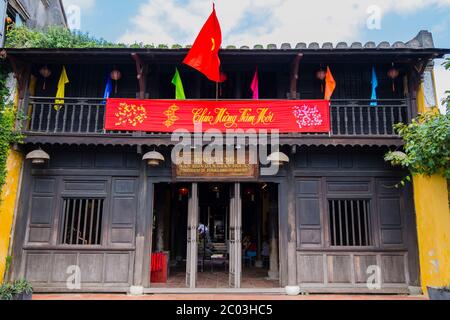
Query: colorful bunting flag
x=108, y=88
x=179, y=90
x=330, y=84
x=204, y=54
x=60, y=93
x=374, y=88
x=255, y=86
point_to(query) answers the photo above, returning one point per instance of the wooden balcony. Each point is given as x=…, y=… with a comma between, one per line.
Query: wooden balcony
x=84, y=118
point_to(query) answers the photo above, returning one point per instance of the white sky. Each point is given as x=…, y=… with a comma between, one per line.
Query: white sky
x=252, y=22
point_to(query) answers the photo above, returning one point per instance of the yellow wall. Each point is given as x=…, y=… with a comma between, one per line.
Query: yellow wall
x=8, y=203
x=433, y=220
x=433, y=227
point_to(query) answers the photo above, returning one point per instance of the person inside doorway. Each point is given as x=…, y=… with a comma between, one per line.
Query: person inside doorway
x=249, y=250
x=265, y=253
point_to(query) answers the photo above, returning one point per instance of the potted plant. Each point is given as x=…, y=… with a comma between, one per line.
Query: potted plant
x=17, y=290
x=439, y=293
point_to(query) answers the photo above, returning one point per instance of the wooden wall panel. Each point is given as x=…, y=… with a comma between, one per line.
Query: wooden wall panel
x=37, y=267
x=91, y=265
x=123, y=210
x=308, y=213
x=339, y=269
x=310, y=268
x=42, y=209
x=118, y=268
x=99, y=269
x=362, y=263
x=61, y=262
x=394, y=269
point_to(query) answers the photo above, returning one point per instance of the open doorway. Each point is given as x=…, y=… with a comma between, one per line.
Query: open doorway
x=260, y=258
x=169, y=243
x=213, y=235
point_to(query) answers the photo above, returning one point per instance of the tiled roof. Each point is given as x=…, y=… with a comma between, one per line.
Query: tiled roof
x=424, y=40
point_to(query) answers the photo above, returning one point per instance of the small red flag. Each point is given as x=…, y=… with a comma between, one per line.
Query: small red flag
x=204, y=54
x=255, y=86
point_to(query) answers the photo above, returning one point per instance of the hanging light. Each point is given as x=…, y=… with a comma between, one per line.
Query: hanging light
x=153, y=158
x=250, y=193
x=216, y=190
x=278, y=159
x=116, y=75
x=321, y=75
x=38, y=157
x=45, y=73
x=393, y=74
x=182, y=192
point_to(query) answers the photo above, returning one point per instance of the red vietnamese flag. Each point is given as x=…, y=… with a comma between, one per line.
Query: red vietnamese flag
x=204, y=54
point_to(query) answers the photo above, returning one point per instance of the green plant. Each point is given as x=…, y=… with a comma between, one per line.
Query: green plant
x=52, y=37
x=6, y=291
x=446, y=101
x=427, y=146
x=9, y=291
x=22, y=286
x=56, y=37
x=8, y=262
x=8, y=132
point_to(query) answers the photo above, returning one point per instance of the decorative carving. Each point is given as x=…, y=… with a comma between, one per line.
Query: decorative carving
x=171, y=116
x=131, y=114
x=308, y=116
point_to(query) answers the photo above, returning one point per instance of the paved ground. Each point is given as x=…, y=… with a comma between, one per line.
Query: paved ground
x=219, y=297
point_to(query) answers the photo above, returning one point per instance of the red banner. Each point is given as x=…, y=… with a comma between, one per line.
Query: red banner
x=288, y=116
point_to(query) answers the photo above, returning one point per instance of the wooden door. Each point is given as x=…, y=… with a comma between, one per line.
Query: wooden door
x=192, y=253
x=235, y=243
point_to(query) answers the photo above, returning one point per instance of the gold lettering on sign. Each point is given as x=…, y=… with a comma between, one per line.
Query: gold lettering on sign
x=225, y=170
x=222, y=116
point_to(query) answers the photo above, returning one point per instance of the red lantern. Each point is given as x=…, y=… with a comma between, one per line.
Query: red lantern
x=45, y=73
x=116, y=75
x=393, y=74
x=182, y=192
x=321, y=75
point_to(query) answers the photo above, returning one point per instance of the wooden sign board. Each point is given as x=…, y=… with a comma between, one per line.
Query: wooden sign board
x=208, y=171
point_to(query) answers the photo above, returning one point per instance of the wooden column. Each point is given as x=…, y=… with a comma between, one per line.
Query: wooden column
x=141, y=224
x=235, y=237
x=142, y=72
x=150, y=195
x=293, y=93
x=291, y=225
x=274, y=272
x=192, y=247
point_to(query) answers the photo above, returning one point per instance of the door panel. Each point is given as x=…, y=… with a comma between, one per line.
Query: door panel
x=192, y=254
x=235, y=236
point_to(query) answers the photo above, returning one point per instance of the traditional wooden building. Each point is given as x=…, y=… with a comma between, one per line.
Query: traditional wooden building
x=328, y=221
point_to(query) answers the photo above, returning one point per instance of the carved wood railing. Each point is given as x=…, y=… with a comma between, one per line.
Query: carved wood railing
x=86, y=116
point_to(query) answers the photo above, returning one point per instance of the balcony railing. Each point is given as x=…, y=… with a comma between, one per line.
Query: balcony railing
x=86, y=116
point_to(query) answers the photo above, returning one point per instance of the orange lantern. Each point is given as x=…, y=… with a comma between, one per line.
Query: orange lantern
x=393, y=74
x=321, y=75
x=45, y=73
x=116, y=75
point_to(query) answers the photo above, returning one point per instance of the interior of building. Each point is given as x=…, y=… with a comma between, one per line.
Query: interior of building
x=259, y=235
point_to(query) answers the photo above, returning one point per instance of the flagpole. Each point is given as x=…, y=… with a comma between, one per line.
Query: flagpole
x=217, y=91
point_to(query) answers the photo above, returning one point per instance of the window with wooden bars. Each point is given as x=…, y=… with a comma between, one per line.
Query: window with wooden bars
x=82, y=221
x=350, y=223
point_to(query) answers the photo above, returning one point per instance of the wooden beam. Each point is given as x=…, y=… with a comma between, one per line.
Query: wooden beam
x=142, y=72
x=22, y=71
x=294, y=75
